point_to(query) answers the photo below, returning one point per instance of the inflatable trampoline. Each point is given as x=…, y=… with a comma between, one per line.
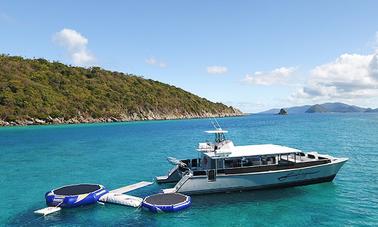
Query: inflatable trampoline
x=169, y=202
x=75, y=195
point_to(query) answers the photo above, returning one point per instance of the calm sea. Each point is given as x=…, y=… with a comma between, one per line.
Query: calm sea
x=36, y=159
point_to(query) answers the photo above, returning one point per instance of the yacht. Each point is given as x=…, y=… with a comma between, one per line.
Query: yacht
x=223, y=167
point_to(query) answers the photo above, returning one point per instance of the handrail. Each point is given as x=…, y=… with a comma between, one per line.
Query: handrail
x=172, y=170
x=186, y=177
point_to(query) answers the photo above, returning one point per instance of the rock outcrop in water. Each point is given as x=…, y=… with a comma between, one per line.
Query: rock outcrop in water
x=282, y=112
x=36, y=91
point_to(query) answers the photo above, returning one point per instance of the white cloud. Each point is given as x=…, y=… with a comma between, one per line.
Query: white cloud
x=216, y=69
x=76, y=46
x=349, y=77
x=248, y=107
x=276, y=76
x=156, y=62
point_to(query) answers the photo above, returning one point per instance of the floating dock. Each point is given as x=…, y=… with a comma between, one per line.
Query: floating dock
x=83, y=194
x=117, y=196
x=122, y=199
x=47, y=210
x=132, y=187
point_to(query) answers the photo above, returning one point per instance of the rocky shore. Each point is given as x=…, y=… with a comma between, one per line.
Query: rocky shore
x=123, y=118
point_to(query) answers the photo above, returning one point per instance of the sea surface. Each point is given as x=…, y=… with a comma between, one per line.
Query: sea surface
x=36, y=159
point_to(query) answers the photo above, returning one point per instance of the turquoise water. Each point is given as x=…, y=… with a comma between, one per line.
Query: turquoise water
x=39, y=158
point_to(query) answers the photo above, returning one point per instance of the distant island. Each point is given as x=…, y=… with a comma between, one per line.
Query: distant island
x=37, y=91
x=319, y=109
x=336, y=107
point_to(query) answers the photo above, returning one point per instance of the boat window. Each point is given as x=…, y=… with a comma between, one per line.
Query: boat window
x=292, y=157
x=256, y=160
x=250, y=161
x=194, y=162
x=220, y=164
x=283, y=159
x=271, y=160
x=227, y=163
x=263, y=160
x=311, y=156
x=199, y=173
x=247, y=162
x=212, y=163
x=232, y=163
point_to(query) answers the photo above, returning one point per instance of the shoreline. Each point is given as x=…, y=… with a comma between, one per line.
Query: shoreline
x=89, y=120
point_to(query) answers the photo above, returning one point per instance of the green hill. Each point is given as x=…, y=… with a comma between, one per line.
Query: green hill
x=38, y=91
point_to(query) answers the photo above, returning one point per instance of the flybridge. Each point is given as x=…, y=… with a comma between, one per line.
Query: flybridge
x=218, y=132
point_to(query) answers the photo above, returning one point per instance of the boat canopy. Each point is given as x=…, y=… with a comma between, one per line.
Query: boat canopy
x=254, y=150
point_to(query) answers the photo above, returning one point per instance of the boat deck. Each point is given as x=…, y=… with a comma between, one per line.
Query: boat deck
x=132, y=187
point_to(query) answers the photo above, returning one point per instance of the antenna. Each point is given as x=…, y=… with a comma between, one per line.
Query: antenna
x=212, y=122
x=216, y=124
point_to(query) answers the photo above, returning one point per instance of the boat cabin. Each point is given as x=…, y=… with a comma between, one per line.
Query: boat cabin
x=223, y=157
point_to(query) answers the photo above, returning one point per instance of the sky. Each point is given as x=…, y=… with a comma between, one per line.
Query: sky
x=253, y=55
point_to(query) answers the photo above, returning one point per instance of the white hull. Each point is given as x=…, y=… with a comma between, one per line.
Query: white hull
x=259, y=180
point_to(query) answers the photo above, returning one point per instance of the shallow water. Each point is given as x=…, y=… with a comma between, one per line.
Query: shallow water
x=36, y=159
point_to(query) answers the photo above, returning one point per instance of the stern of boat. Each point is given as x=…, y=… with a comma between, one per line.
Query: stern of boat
x=174, y=175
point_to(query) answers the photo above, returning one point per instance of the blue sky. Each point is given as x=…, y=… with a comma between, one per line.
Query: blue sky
x=250, y=54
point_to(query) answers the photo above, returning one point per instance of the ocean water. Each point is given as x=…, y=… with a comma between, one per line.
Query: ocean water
x=36, y=159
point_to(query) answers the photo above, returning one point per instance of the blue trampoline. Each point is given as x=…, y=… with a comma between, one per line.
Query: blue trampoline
x=75, y=195
x=170, y=202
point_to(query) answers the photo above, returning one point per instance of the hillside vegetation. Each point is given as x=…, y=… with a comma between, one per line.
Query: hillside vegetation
x=39, y=91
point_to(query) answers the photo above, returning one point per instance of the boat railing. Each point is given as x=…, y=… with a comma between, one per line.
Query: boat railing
x=173, y=170
x=263, y=168
x=206, y=147
x=301, y=157
x=184, y=178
